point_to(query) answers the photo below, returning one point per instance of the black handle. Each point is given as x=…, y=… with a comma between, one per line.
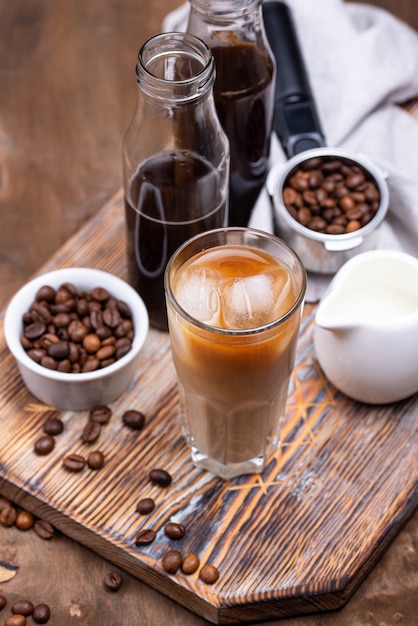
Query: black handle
x=296, y=120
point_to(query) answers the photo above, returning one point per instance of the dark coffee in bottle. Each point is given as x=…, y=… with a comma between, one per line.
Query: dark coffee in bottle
x=243, y=95
x=172, y=197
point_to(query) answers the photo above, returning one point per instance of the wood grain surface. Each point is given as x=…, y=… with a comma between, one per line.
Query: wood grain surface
x=297, y=538
x=67, y=92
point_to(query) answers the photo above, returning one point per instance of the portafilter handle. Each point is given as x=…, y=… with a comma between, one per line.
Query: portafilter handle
x=296, y=121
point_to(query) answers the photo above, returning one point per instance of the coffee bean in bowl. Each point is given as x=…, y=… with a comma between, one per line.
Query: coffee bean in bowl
x=328, y=206
x=76, y=334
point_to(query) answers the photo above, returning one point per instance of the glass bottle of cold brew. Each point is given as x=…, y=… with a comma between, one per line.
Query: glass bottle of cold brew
x=243, y=91
x=175, y=161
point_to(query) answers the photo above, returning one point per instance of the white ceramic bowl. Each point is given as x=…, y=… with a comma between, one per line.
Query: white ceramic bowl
x=70, y=390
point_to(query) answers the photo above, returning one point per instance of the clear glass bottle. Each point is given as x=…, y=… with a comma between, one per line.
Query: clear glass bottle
x=243, y=91
x=175, y=161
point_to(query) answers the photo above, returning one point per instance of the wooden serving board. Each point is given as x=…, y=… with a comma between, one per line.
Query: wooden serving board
x=296, y=539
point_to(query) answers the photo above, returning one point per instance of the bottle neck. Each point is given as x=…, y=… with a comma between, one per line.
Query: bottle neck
x=225, y=9
x=176, y=68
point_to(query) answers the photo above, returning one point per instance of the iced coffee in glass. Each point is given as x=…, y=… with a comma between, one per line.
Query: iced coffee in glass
x=234, y=301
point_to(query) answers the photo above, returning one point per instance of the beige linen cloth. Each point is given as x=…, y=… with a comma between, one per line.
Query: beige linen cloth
x=362, y=62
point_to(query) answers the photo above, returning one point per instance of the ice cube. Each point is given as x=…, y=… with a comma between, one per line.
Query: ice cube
x=253, y=301
x=197, y=293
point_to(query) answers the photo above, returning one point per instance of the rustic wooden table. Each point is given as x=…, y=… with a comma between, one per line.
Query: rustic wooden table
x=67, y=91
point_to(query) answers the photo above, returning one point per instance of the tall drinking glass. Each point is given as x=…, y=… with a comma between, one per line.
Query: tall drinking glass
x=234, y=302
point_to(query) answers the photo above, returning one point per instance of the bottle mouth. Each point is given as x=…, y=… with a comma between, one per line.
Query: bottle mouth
x=224, y=8
x=175, y=66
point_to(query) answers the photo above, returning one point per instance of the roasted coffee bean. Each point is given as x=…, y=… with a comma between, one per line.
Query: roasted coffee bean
x=45, y=293
x=174, y=530
x=133, y=419
x=209, y=574
x=44, y=529
x=66, y=330
x=100, y=413
x=53, y=426
x=91, y=432
x=74, y=462
x=41, y=613
x=95, y=459
x=3, y=602
x=8, y=516
x=312, y=194
x=160, y=477
x=34, y=331
x=145, y=537
x=113, y=580
x=24, y=607
x=15, y=620
x=145, y=506
x=190, y=564
x=100, y=294
x=24, y=520
x=172, y=561
x=44, y=445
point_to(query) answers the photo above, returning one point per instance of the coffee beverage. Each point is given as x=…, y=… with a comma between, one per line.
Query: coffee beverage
x=234, y=315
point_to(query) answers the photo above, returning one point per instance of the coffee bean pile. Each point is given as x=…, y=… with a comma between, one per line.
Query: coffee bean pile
x=21, y=609
x=331, y=195
x=75, y=331
x=173, y=560
x=11, y=515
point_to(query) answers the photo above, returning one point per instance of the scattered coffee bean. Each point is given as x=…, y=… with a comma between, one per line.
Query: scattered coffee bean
x=95, y=459
x=41, y=613
x=100, y=414
x=44, y=445
x=8, y=516
x=160, y=477
x=66, y=329
x=113, y=580
x=333, y=196
x=24, y=520
x=145, y=506
x=44, y=529
x=209, y=574
x=23, y=607
x=133, y=419
x=3, y=602
x=53, y=426
x=145, y=537
x=172, y=561
x=15, y=620
x=74, y=462
x=91, y=431
x=190, y=564
x=174, y=530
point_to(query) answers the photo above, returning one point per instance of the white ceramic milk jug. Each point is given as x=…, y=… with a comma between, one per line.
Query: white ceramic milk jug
x=366, y=327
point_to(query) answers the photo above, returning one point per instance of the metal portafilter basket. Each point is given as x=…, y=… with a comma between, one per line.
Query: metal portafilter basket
x=298, y=128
